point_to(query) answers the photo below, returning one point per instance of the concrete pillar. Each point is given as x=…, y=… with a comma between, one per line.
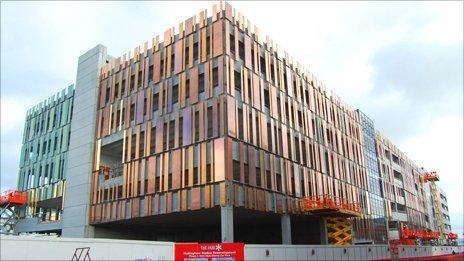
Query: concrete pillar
x=286, y=229
x=81, y=146
x=323, y=231
x=227, y=224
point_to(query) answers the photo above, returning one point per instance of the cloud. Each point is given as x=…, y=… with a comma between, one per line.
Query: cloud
x=427, y=80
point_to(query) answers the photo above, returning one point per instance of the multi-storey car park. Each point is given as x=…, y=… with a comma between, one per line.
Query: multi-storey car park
x=213, y=133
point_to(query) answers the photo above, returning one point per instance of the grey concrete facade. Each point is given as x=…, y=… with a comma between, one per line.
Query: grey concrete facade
x=286, y=229
x=76, y=204
x=227, y=224
x=33, y=224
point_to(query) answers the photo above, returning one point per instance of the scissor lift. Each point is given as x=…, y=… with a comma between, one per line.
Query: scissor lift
x=452, y=239
x=336, y=212
x=8, y=216
x=433, y=177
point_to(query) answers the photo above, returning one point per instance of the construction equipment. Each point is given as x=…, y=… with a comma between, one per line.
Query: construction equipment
x=433, y=177
x=8, y=216
x=336, y=213
x=421, y=234
x=452, y=239
x=326, y=205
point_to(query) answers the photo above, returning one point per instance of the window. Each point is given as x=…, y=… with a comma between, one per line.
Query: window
x=157, y=184
x=165, y=134
x=150, y=73
x=181, y=126
x=289, y=140
x=107, y=99
x=269, y=137
x=197, y=126
x=44, y=147
x=201, y=83
x=132, y=80
x=297, y=149
x=123, y=86
x=175, y=94
x=303, y=148
x=215, y=77
x=258, y=176
x=187, y=89
x=118, y=119
x=262, y=65
x=116, y=90
x=195, y=51
x=246, y=173
x=162, y=67
x=266, y=98
x=250, y=127
x=240, y=123
x=272, y=73
x=186, y=174
x=186, y=170
x=141, y=144
x=232, y=43
x=237, y=81
x=208, y=44
x=236, y=170
x=152, y=140
x=241, y=50
x=208, y=172
x=145, y=101
x=123, y=116
x=209, y=115
x=187, y=56
x=172, y=59
x=132, y=112
x=172, y=126
x=155, y=101
x=139, y=79
x=278, y=181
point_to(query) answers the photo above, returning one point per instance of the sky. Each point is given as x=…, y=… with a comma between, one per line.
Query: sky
x=401, y=63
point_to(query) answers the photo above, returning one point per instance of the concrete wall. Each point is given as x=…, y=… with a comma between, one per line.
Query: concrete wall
x=33, y=224
x=81, y=147
x=314, y=252
x=48, y=248
x=422, y=251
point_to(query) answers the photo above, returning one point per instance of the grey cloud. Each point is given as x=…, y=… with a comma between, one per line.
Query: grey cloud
x=428, y=78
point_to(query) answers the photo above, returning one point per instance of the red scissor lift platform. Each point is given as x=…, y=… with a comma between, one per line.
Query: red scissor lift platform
x=413, y=234
x=8, y=216
x=13, y=197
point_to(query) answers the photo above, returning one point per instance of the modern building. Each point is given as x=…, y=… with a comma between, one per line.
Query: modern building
x=44, y=162
x=213, y=133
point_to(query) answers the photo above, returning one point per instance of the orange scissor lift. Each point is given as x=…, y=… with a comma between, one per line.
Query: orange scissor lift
x=452, y=238
x=409, y=236
x=433, y=177
x=8, y=216
x=336, y=211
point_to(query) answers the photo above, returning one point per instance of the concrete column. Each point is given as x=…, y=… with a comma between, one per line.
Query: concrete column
x=81, y=145
x=227, y=224
x=323, y=231
x=286, y=229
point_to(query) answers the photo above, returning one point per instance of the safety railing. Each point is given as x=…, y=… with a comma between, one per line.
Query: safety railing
x=13, y=197
x=328, y=202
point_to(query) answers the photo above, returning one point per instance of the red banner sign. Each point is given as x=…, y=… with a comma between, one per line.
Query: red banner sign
x=209, y=251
